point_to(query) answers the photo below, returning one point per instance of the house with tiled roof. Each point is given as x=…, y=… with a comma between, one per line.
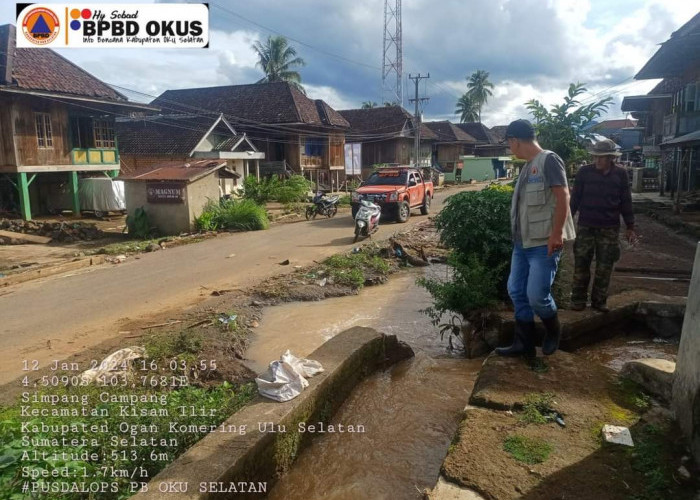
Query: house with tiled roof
x=487, y=143
x=386, y=135
x=56, y=125
x=451, y=143
x=149, y=141
x=294, y=132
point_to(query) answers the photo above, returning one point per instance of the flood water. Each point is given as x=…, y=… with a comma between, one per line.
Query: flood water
x=409, y=412
x=628, y=346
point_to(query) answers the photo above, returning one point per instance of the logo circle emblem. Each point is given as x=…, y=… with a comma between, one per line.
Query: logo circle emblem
x=40, y=26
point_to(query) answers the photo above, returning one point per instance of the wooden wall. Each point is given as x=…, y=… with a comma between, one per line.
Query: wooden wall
x=7, y=145
x=28, y=151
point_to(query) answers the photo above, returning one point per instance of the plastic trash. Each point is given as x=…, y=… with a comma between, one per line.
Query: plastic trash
x=228, y=319
x=116, y=364
x=286, y=378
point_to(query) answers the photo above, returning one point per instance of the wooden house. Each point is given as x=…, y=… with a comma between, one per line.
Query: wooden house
x=293, y=131
x=56, y=124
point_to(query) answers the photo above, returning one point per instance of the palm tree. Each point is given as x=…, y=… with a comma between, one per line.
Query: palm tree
x=369, y=105
x=479, y=88
x=466, y=108
x=277, y=59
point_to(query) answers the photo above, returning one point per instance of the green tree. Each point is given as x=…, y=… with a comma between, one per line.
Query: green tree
x=467, y=109
x=278, y=59
x=369, y=105
x=562, y=127
x=479, y=88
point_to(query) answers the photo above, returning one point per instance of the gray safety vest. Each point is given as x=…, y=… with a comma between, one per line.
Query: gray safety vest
x=533, y=206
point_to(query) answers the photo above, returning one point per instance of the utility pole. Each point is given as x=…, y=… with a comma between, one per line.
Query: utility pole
x=417, y=118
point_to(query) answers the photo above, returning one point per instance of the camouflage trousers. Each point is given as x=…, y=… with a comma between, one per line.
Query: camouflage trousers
x=604, y=244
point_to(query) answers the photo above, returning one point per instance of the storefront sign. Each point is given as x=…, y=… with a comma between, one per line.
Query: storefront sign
x=165, y=192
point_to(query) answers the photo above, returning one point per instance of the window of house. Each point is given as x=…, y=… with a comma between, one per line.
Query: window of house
x=690, y=98
x=314, y=146
x=104, y=134
x=44, y=135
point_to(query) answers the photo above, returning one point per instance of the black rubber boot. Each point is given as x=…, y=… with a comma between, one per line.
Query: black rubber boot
x=550, y=343
x=523, y=343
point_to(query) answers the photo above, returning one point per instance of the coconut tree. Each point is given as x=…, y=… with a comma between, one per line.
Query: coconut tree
x=467, y=109
x=479, y=88
x=278, y=59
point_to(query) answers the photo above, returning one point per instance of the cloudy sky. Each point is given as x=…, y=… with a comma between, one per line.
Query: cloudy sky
x=531, y=48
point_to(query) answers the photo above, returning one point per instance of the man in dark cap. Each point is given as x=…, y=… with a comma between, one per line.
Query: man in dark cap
x=601, y=194
x=540, y=223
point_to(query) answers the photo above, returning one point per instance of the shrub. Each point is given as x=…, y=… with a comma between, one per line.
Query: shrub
x=294, y=189
x=243, y=215
x=138, y=224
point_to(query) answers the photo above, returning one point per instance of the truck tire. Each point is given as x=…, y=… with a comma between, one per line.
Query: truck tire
x=425, y=209
x=403, y=211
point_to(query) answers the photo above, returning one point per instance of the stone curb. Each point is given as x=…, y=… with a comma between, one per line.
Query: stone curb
x=42, y=272
x=253, y=458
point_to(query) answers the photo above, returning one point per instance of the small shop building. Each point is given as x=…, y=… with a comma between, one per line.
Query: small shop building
x=174, y=194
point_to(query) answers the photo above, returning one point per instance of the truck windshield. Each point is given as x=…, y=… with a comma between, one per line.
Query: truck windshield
x=390, y=178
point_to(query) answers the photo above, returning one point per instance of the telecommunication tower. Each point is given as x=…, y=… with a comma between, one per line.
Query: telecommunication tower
x=392, y=67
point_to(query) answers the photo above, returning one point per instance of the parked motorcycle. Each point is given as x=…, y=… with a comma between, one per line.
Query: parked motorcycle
x=367, y=219
x=322, y=206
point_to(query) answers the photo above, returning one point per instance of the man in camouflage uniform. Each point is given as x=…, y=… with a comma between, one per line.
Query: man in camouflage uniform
x=601, y=194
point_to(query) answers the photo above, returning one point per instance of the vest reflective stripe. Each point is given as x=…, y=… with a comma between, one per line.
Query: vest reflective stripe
x=533, y=205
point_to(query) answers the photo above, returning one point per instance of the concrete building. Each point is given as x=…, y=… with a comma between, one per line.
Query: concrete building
x=174, y=194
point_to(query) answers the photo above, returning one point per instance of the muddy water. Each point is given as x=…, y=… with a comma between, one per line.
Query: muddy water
x=409, y=412
x=628, y=346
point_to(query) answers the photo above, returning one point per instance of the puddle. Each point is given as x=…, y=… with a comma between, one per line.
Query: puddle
x=626, y=346
x=409, y=412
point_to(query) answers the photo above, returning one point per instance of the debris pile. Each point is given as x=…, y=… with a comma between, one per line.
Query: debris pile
x=58, y=231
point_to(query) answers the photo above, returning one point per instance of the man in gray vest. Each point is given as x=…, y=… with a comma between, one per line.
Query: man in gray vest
x=540, y=223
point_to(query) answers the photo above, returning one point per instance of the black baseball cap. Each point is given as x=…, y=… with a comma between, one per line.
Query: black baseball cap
x=520, y=129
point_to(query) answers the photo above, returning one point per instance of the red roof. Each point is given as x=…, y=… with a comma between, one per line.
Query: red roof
x=178, y=171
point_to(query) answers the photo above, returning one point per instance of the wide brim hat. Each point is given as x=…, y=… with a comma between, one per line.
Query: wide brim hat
x=605, y=148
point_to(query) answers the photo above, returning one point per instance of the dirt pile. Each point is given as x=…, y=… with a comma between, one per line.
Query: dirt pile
x=58, y=231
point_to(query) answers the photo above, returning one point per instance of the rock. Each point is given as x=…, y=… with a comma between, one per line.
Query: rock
x=655, y=375
x=617, y=435
x=683, y=473
x=254, y=324
x=284, y=263
x=256, y=303
x=153, y=247
x=396, y=350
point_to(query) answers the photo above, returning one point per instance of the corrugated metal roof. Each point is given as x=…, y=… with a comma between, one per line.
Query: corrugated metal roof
x=178, y=171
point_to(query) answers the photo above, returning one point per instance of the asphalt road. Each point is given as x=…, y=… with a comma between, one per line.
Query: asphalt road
x=55, y=317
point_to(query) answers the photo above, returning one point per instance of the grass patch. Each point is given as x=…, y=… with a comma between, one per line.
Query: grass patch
x=162, y=447
x=135, y=246
x=538, y=365
x=237, y=215
x=527, y=450
x=350, y=269
x=538, y=408
x=169, y=345
x=344, y=200
x=630, y=395
x=648, y=457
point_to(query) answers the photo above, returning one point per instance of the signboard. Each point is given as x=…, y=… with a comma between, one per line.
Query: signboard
x=272, y=168
x=353, y=158
x=165, y=192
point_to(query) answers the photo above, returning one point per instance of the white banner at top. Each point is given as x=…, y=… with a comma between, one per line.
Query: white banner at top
x=159, y=25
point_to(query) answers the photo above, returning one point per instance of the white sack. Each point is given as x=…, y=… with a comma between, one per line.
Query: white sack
x=285, y=378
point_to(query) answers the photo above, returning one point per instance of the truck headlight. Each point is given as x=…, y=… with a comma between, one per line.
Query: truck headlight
x=392, y=196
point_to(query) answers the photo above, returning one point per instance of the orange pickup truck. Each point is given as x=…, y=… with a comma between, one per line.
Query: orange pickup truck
x=397, y=190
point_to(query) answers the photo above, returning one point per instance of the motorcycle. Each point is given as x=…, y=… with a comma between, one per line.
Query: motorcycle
x=367, y=219
x=322, y=206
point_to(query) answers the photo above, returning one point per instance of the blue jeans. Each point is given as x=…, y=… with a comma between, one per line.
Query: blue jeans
x=530, y=282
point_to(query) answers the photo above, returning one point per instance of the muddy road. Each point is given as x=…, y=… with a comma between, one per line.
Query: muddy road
x=55, y=317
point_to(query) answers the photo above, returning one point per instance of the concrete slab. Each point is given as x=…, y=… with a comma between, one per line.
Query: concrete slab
x=655, y=375
x=262, y=440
